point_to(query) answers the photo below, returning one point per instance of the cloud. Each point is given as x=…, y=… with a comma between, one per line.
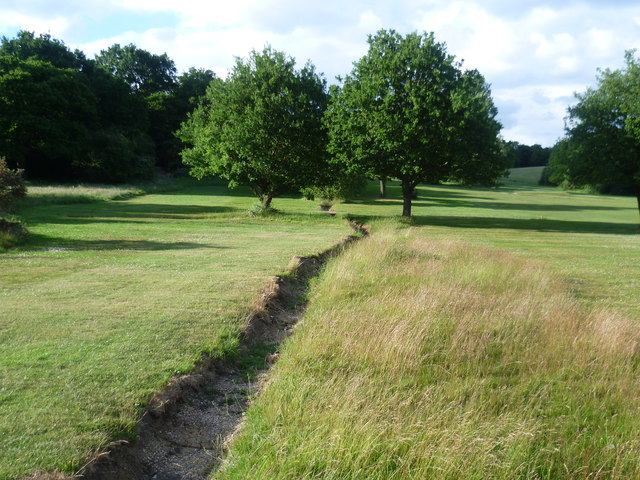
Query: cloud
x=534, y=54
x=56, y=25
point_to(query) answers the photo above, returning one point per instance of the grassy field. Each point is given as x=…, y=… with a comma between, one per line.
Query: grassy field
x=109, y=298
x=521, y=365
x=525, y=175
x=426, y=358
x=429, y=353
x=591, y=240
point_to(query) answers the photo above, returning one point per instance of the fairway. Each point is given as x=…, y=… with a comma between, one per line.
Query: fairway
x=108, y=299
x=525, y=175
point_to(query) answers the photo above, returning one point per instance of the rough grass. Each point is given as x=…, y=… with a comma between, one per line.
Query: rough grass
x=423, y=358
x=64, y=194
x=108, y=299
x=593, y=241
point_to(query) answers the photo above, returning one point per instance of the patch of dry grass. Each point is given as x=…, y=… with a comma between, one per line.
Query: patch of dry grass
x=422, y=358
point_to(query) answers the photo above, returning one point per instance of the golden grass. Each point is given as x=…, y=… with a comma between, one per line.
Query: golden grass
x=422, y=358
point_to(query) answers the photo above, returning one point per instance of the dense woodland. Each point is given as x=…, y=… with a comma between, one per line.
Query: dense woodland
x=65, y=117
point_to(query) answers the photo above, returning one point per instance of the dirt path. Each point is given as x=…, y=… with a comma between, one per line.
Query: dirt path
x=184, y=433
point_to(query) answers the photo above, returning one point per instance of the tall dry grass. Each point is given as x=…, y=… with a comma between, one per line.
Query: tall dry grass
x=423, y=359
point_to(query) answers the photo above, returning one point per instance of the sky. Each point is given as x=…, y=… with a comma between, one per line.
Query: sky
x=535, y=54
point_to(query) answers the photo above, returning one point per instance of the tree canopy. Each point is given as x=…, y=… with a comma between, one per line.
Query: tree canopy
x=145, y=72
x=65, y=117
x=262, y=126
x=407, y=110
x=602, y=145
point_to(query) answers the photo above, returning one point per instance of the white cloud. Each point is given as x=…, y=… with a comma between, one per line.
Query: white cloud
x=534, y=55
x=370, y=22
x=57, y=26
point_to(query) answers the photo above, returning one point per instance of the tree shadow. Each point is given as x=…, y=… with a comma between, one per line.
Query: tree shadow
x=39, y=242
x=539, y=225
x=532, y=207
x=115, y=212
x=453, y=200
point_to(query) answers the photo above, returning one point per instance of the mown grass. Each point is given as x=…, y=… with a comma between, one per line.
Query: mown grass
x=525, y=175
x=107, y=299
x=430, y=358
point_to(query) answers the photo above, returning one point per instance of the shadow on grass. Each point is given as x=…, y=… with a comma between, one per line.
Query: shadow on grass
x=540, y=225
x=466, y=202
x=115, y=212
x=38, y=242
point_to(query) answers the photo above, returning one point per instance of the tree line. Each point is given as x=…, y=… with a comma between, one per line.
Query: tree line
x=407, y=110
x=522, y=155
x=601, y=148
x=65, y=117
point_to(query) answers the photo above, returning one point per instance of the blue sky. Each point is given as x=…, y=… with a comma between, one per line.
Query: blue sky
x=535, y=54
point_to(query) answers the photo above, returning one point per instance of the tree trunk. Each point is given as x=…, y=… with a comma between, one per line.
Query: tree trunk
x=638, y=195
x=407, y=195
x=383, y=187
x=266, y=201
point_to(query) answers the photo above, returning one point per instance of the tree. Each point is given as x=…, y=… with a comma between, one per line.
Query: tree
x=408, y=111
x=63, y=117
x=46, y=117
x=528, y=155
x=602, y=147
x=262, y=126
x=145, y=72
x=192, y=85
x=45, y=48
x=168, y=110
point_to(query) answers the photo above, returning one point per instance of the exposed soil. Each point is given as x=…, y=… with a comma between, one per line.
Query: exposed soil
x=184, y=433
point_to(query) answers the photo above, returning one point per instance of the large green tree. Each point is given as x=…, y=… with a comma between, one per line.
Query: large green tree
x=262, y=126
x=46, y=117
x=408, y=111
x=167, y=110
x=602, y=146
x=145, y=72
x=63, y=117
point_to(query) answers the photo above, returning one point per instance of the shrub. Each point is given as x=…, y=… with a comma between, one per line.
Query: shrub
x=12, y=185
x=11, y=233
x=259, y=210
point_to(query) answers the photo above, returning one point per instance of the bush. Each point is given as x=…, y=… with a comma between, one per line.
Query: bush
x=259, y=210
x=12, y=186
x=11, y=233
x=545, y=178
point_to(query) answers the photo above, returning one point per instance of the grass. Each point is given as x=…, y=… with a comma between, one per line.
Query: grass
x=11, y=232
x=427, y=352
x=525, y=175
x=66, y=194
x=592, y=241
x=107, y=299
x=428, y=358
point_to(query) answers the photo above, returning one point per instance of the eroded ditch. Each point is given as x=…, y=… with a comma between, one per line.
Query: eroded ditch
x=184, y=433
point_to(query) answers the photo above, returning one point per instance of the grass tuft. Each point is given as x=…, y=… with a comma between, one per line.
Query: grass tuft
x=259, y=210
